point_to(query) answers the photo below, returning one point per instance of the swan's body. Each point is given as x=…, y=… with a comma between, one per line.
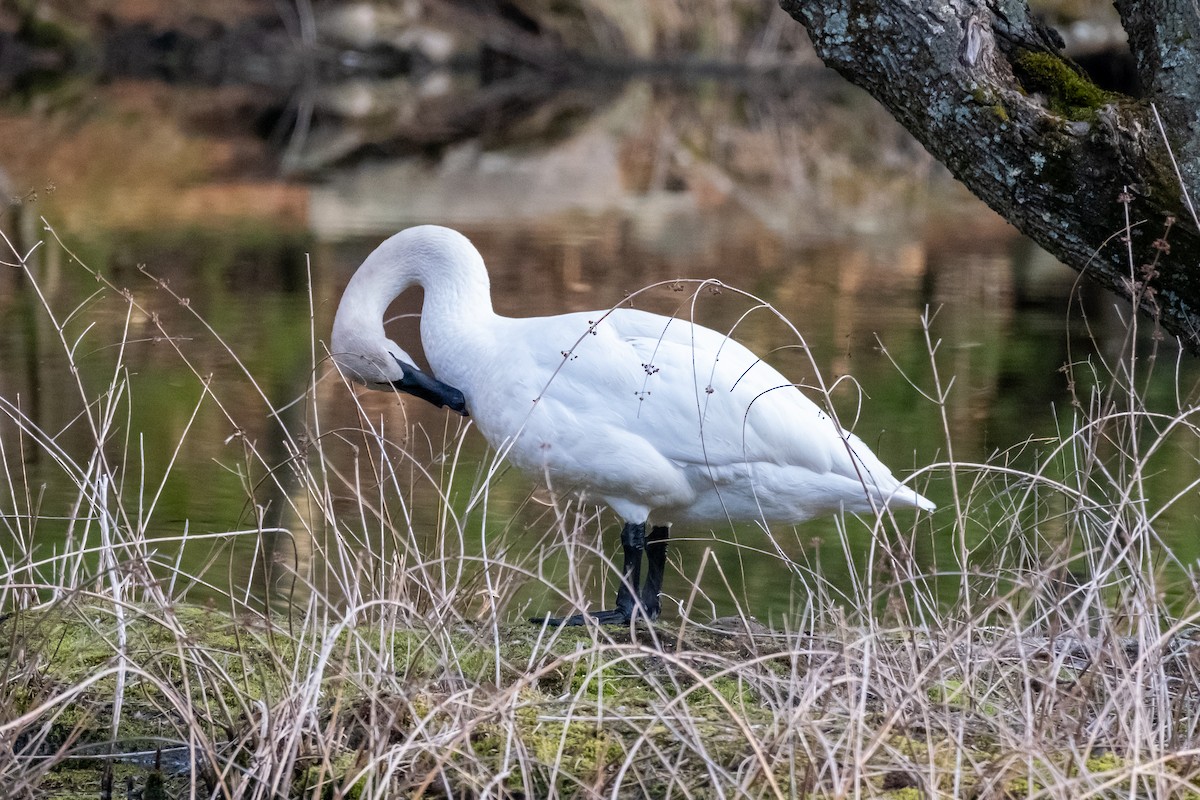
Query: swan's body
x=665, y=420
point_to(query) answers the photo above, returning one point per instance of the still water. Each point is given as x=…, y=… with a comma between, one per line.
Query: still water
x=821, y=208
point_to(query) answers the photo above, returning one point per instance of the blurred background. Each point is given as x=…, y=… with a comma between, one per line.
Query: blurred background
x=252, y=152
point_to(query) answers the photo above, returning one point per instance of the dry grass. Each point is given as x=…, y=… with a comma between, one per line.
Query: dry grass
x=1062, y=663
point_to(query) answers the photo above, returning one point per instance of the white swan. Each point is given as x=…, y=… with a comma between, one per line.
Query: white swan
x=665, y=420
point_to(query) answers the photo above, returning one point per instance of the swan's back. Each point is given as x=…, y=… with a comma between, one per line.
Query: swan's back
x=728, y=423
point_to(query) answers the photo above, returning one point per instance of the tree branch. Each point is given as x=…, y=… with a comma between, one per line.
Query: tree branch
x=986, y=89
x=1164, y=37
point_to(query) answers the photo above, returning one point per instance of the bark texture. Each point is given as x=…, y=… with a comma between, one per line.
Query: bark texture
x=986, y=89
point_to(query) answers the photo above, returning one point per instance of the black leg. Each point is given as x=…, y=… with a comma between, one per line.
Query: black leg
x=656, y=562
x=633, y=544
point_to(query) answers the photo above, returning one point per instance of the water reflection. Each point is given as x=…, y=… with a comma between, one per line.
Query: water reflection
x=810, y=199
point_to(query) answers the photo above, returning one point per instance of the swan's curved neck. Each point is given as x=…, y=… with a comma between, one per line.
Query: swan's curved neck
x=456, y=316
x=448, y=268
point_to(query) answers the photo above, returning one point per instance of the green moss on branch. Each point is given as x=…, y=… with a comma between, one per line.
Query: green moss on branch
x=1068, y=92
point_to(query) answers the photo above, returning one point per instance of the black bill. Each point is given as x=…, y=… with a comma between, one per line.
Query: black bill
x=429, y=388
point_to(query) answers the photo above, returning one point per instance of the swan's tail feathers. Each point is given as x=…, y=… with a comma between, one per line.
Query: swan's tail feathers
x=880, y=481
x=904, y=496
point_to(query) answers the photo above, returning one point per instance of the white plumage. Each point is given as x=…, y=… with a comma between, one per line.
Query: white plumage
x=664, y=420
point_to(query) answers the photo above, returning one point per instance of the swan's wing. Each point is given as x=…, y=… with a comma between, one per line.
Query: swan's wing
x=737, y=407
x=633, y=392
x=697, y=396
x=742, y=410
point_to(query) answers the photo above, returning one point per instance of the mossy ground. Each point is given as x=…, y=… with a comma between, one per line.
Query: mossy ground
x=542, y=713
x=559, y=692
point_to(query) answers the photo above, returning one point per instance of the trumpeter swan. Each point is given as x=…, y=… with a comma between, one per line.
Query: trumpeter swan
x=663, y=419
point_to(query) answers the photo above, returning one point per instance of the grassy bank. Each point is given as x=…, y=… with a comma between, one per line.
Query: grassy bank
x=1055, y=658
x=216, y=706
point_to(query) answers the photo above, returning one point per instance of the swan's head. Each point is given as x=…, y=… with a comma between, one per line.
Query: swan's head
x=360, y=346
x=393, y=369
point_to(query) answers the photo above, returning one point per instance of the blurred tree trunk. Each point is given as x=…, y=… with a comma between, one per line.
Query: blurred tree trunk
x=985, y=88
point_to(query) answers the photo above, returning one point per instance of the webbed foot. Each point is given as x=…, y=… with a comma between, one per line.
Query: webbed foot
x=614, y=616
